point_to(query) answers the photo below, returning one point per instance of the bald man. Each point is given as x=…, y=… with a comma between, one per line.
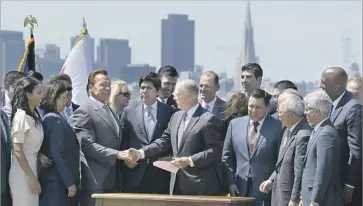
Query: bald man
x=346, y=116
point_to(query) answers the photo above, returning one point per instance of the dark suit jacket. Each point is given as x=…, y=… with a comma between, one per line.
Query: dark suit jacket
x=61, y=145
x=135, y=136
x=320, y=180
x=347, y=119
x=200, y=141
x=101, y=138
x=237, y=159
x=6, y=148
x=288, y=173
x=219, y=107
x=171, y=101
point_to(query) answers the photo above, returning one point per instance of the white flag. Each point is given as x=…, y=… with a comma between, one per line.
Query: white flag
x=78, y=65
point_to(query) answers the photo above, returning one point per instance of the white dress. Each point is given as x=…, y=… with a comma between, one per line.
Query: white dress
x=24, y=131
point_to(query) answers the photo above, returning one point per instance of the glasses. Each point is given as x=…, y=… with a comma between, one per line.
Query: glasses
x=125, y=94
x=69, y=89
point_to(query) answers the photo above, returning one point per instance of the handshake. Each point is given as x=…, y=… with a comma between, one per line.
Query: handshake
x=130, y=157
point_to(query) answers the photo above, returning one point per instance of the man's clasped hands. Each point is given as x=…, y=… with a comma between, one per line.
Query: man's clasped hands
x=132, y=156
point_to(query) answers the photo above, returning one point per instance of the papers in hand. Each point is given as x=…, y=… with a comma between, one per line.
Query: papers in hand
x=166, y=165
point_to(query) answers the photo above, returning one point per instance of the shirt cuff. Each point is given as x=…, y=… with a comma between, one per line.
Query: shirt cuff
x=314, y=203
x=191, y=163
x=142, y=153
x=350, y=186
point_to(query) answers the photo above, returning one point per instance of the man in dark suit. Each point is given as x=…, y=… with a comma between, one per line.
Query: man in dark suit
x=5, y=158
x=168, y=76
x=97, y=129
x=286, y=179
x=320, y=181
x=346, y=116
x=193, y=134
x=208, y=87
x=251, y=148
x=142, y=124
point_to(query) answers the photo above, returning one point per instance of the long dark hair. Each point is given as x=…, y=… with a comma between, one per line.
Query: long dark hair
x=20, y=100
x=51, y=92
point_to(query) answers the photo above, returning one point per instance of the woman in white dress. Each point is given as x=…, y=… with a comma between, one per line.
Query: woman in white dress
x=27, y=137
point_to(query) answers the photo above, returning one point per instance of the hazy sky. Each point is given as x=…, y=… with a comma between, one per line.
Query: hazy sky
x=294, y=39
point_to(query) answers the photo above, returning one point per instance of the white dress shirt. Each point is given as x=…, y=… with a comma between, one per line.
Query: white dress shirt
x=210, y=104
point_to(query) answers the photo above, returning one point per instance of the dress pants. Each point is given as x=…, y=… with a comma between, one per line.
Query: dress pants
x=251, y=193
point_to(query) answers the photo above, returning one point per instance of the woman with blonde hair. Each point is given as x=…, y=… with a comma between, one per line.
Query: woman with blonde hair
x=120, y=96
x=237, y=106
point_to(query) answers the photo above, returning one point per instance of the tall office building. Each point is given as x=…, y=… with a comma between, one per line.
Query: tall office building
x=177, y=42
x=48, y=60
x=12, y=47
x=114, y=54
x=92, y=46
x=247, y=54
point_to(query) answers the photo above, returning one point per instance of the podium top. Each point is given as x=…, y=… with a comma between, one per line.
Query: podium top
x=189, y=198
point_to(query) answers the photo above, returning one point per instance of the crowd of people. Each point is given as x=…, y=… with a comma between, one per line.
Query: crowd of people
x=283, y=149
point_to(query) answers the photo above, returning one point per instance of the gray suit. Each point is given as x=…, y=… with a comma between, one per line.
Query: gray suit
x=347, y=119
x=100, y=137
x=238, y=161
x=320, y=180
x=288, y=173
x=145, y=178
x=200, y=141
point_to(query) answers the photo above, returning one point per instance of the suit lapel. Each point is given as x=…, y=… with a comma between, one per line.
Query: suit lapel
x=216, y=108
x=158, y=120
x=336, y=113
x=189, y=127
x=312, y=140
x=284, y=149
x=105, y=117
x=247, y=136
x=174, y=131
x=260, y=135
x=345, y=98
x=141, y=124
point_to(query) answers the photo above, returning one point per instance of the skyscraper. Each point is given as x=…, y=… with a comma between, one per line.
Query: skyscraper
x=11, y=51
x=177, y=42
x=247, y=54
x=114, y=54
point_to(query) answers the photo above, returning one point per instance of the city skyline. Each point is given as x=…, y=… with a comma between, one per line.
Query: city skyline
x=290, y=59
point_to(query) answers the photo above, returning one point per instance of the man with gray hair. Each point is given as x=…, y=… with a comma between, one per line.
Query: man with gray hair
x=286, y=179
x=193, y=134
x=320, y=179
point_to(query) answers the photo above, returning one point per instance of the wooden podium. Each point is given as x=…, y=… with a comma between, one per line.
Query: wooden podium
x=127, y=199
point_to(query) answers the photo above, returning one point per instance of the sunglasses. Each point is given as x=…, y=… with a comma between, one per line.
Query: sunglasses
x=125, y=94
x=69, y=89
